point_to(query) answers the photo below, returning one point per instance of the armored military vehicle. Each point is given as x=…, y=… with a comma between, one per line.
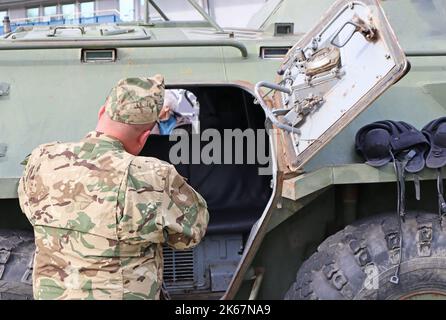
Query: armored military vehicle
x=322, y=224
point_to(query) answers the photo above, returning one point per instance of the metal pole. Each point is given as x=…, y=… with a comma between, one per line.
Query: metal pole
x=207, y=17
x=146, y=12
x=161, y=12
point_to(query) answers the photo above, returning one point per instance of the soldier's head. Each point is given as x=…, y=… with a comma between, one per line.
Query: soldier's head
x=131, y=111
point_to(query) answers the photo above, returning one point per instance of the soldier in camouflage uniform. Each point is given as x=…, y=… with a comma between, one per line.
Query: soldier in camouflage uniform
x=100, y=213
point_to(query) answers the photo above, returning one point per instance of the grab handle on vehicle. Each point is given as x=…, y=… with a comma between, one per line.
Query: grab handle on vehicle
x=53, y=34
x=349, y=28
x=269, y=114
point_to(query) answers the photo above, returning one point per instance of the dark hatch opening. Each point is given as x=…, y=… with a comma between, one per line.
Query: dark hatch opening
x=235, y=193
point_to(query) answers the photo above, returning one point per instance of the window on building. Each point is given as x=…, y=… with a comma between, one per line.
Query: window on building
x=127, y=10
x=50, y=13
x=68, y=11
x=141, y=9
x=154, y=15
x=32, y=14
x=87, y=9
x=3, y=14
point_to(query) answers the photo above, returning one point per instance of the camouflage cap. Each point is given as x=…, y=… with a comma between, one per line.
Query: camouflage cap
x=136, y=100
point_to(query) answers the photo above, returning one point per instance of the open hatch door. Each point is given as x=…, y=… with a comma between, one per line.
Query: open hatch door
x=331, y=75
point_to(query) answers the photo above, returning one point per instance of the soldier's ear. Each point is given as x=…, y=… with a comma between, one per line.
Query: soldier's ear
x=101, y=112
x=143, y=137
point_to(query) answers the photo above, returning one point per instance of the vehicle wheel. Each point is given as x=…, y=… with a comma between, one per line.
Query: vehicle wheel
x=360, y=261
x=16, y=261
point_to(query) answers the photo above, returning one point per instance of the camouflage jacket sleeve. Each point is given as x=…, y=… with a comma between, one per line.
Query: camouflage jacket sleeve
x=185, y=214
x=21, y=192
x=159, y=206
x=27, y=185
x=23, y=198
